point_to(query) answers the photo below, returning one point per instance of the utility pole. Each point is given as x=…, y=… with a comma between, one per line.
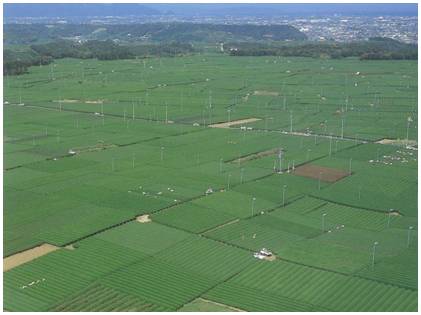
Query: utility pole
x=210, y=98
x=290, y=117
x=350, y=166
x=280, y=161
x=330, y=145
x=407, y=129
x=388, y=217
x=252, y=205
x=409, y=235
x=374, y=254
x=323, y=221
x=320, y=178
x=283, y=195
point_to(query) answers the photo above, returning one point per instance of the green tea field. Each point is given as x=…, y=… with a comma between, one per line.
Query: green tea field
x=156, y=180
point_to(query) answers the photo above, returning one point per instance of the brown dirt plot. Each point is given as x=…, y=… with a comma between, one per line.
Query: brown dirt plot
x=270, y=258
x=79, y=101
x=234, y=123
x=96, y=147
x=234, y=309
x=143, y=218
x=95, y=102
x=27, y=255
x=397, y=141
x=265, y=93
x=313, y=171
x=254, y=156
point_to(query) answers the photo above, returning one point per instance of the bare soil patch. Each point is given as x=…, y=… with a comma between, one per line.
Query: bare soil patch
x=143, y=218
x=397, y=141
x=270, y=258
x=296, y=133
x=254, y=156
x=94, y=102
x=327, y=174
x=234, y=123
x=97, y=147
x=79, y=101
x=27, y=255
x=265, y=93
x=234, y=309
x=67, y=101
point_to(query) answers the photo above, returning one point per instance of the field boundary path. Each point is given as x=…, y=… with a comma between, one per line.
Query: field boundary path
x=352, y=206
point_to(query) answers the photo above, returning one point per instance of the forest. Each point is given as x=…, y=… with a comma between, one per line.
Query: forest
x=375, y=48
x=17, y=61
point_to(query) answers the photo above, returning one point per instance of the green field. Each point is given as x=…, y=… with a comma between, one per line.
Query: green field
x=90, y=145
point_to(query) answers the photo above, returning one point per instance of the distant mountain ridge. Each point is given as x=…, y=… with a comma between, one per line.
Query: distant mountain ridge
x=152, y=32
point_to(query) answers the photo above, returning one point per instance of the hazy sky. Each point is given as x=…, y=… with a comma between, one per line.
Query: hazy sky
x=71, y=10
